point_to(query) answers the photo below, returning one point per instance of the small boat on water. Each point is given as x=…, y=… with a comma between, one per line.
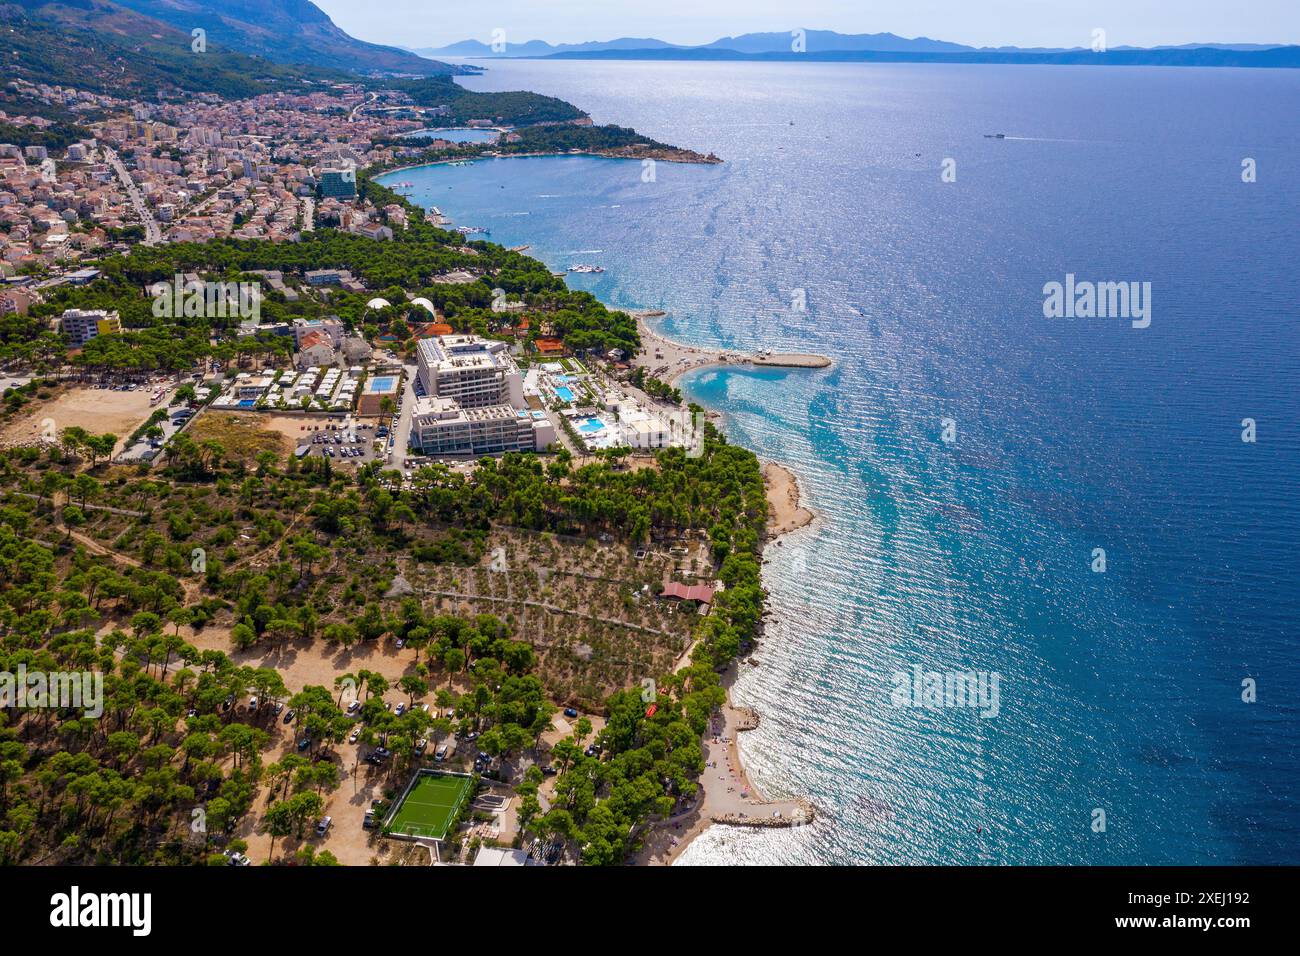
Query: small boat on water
x=584, y=267
x=995, y=135
x=473, y=230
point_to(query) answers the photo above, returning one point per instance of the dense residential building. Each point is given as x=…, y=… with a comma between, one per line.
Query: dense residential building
x=473, y=402
x=473, y=371
x=83, y=325
x=338, y=183
x=440, y=426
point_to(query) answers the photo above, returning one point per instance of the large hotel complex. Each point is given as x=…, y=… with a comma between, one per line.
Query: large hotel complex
x=473, y=401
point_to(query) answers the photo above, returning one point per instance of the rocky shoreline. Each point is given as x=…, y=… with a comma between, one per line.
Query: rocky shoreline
x=727, y=797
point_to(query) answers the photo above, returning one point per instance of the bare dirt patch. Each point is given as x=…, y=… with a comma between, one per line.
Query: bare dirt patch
x=97, y=410
x=243, y=437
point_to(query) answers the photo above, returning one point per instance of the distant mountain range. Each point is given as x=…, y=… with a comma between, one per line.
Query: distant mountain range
x=286, y=31
x=281, y=31
x=535, y=48
x=831, y=46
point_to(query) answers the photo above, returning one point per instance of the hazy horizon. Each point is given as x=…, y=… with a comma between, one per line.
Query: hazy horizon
x=1025, y=23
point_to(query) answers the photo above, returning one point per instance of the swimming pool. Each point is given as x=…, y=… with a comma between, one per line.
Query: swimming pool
x=565, y=393
x=383, y=383
x=590, y=426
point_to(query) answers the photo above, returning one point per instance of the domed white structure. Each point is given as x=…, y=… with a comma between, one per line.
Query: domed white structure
x=378, y=303
x=426, y=305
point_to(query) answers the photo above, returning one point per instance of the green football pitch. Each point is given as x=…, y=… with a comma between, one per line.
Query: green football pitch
x=429, y=806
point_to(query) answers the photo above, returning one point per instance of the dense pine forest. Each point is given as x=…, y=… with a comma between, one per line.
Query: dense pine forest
x=100, y=574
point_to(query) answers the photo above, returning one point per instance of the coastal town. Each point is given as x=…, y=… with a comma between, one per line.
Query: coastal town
x=317, y=369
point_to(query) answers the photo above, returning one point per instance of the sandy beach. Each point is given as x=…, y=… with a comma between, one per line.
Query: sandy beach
x=727, y=796
x=784, y=512
x=667, y=360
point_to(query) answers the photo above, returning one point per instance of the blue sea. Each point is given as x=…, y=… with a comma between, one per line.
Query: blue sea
x=456, y=135
x=831, y=227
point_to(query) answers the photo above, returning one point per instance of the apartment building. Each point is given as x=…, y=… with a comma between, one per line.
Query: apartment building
x=473, y=371
x=83, y=325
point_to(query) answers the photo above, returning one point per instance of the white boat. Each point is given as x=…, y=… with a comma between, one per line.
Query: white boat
x=584, y=267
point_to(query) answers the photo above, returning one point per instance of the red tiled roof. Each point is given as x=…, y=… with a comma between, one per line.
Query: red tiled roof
x=695, y=592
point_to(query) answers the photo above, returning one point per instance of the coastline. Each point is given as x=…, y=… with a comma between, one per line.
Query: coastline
x=684, y=156
x=727, y=796
x=668, y=360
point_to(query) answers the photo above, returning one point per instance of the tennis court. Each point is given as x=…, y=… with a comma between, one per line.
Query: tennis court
x=429, y=806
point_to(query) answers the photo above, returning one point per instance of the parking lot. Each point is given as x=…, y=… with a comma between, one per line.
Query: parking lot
x=348, y=440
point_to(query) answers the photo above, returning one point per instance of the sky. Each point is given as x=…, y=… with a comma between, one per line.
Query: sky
x=1064, y=23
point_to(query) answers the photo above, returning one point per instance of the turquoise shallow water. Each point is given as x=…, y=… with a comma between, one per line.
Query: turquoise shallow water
x=830, y=229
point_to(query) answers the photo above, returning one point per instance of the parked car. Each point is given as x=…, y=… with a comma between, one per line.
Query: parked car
x=352, y=737
x=323, y=827
x=401, y=709
x=304, y=744
x=570, y=712
x=288, y=718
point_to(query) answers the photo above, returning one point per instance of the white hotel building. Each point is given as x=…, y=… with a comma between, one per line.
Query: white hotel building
x=473, y=402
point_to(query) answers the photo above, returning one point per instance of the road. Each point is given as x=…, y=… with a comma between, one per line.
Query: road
x=308, y=214
x=152, y=231
x=399, y=450
x=370, y=98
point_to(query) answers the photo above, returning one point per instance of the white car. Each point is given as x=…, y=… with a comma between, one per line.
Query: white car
x=352, y=737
